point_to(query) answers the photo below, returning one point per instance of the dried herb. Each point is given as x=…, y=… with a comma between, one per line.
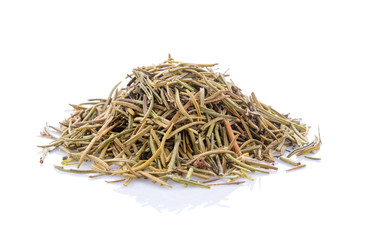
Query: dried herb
x=177, y=121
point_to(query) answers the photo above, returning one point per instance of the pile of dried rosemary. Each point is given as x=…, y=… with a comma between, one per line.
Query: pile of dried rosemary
x=178, y=121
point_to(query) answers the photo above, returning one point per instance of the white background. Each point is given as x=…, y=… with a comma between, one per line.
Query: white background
x=303, y=57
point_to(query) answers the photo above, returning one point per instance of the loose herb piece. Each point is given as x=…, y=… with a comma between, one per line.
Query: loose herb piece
x=180, y=122
x=290, y=161
x=297, y=167
x=313, y=158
